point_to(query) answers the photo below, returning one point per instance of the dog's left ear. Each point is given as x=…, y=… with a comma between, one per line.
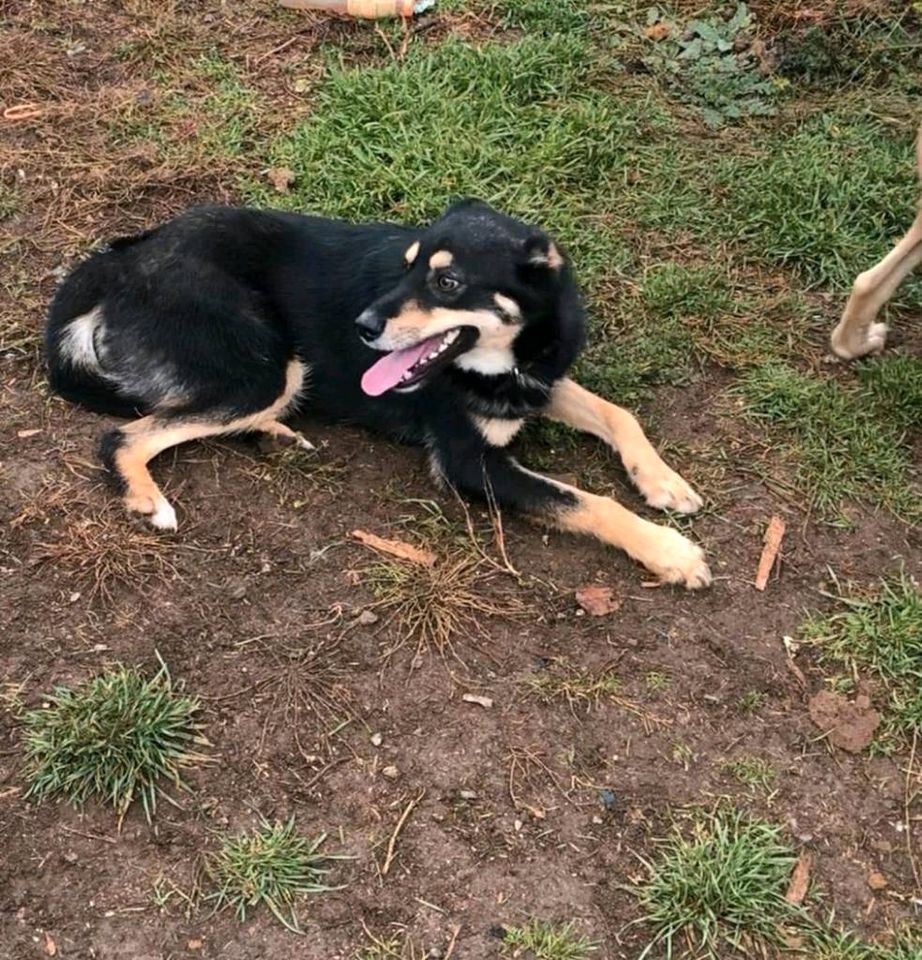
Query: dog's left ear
x=541, y=251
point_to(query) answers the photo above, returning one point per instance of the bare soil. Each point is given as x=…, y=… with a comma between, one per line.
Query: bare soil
x=260, y=572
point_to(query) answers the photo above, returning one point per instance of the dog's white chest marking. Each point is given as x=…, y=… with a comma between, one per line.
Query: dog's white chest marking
x=497, y=432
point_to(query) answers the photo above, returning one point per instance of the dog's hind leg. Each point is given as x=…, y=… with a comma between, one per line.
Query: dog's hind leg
x=126, y=451
x=660, y=485
x=858, y=332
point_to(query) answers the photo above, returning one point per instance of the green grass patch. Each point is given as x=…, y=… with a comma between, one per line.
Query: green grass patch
x=547, y=941
x=272, y=866
x=880, y=635
x=718, y=882
x=846, y=441
x=577, y=686
x=835, y=945
x=751, y=771
x=113, y=739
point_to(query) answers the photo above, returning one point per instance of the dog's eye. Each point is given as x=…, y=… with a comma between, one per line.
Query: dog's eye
x=446, y=283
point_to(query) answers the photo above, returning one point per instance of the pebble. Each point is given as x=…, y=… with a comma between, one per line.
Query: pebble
x=392, y=773
x=467, y=794
x=376, y=739
x=876, y=880
x=70, y=857
x=368, y=616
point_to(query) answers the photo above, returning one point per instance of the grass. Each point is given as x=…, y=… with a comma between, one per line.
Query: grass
x=842, y=438
x=113, y=739
x=718, y=882
x=751, y=701
x=432, y=606
x=391, y=948
x=577, y=686
x=547, y=941
x=751, y=771
x=879, y=634
x=272, y=866
x=834, y=945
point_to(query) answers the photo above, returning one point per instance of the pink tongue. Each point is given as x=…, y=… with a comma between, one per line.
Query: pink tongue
x=386, y=372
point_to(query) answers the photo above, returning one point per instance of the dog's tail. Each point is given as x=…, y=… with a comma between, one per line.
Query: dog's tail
x=75, y=339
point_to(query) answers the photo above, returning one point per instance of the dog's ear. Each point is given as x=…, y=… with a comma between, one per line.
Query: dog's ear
x=542, y=252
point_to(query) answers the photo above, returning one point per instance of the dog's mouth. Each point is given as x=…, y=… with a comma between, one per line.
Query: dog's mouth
x=408, y=367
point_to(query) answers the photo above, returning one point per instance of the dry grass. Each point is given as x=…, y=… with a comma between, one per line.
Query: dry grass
x=98, y=545
x=433, y=606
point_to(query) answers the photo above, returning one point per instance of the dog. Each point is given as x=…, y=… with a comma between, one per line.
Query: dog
x=858, y=333
x=227, y=320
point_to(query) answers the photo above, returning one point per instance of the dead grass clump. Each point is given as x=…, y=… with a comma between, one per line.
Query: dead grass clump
x=432, y=606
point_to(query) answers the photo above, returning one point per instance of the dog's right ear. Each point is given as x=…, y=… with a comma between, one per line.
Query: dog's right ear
x=542, y=252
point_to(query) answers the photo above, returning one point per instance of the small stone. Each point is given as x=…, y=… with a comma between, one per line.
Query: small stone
x=376, y=739
x=392, y=773
x=195, y=944
x=876, y=880
x=518, y=825
x=467, y=794
x=367, y=617
x=597, y=820
x=74, y=597
x=608, y=799
x=70, y=857
x=436, y=953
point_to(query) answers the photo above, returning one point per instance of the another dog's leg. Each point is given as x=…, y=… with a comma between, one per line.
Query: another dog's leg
x=285, y=435
x=858, y=333
x=661, y=486
x=491, y=472
x=125, y=453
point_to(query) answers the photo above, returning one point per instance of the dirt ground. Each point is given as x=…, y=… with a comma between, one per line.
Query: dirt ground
x=511, y=822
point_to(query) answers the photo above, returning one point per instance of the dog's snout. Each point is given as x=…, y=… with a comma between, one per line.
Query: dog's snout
x=370, y=324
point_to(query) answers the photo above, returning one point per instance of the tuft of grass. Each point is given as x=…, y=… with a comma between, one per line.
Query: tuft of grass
x=720, y=882
x=843, y=440
x=657, y=681
x=547, y=941
x=894, y=384
x=751, y=771
x=272, y=866
x=113, y=739
x=880, y=634
x=826, y=944
x=577, y=686
x=433, y=605
x=751, y=701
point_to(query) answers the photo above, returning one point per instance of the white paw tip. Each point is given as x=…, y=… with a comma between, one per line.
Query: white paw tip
x=164, y=517
x=305, y=444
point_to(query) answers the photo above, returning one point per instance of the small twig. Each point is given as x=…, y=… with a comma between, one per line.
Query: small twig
x=454, y=939
x=22, y=111
x=387, y=43
x=89, y=836
x=391, y=852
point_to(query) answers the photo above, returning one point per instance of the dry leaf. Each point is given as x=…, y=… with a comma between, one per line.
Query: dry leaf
x=484, y=702
x=396, y=548
x=25, y=434
x=659, y=31
x=281, y=178
x=800, y=878
x=774, y=534
x=51, y=948
x=597, y=601
x=876, y=880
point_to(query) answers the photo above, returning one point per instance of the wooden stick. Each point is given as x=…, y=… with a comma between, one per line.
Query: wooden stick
x=774, y=534
x=389, y=859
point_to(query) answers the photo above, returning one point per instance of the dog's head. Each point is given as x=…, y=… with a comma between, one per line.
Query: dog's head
x=475, y=281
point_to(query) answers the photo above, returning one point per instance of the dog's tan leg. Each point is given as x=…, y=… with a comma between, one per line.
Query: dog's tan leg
x=858, y=332
x=661, y=486
x=127, y=451
x=662, y=550
x=285, y=435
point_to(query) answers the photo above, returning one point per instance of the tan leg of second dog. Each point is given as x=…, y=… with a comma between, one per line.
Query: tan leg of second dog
x=660, y=485
x=859, y=333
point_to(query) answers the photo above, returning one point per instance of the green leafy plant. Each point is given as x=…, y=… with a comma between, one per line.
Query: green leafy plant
x=112, y=739
x=711, y=65
x=271, y=866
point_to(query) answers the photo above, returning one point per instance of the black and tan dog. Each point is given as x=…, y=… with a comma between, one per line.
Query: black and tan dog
x=228, y=320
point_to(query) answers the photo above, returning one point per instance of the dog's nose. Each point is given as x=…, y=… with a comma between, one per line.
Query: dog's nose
x=370, y=325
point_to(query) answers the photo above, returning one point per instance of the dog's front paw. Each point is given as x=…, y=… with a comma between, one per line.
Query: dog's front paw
x=867, y=343
x=664, y=489
x=674, y=558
